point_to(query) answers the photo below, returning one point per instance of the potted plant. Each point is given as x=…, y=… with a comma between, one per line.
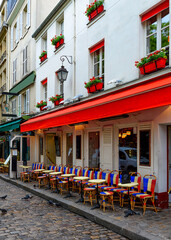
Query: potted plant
x=56, y=100
x=57, y=40
x=43, y=56
x=152, y=62
x=95, y=84
x=94, y=9
x=41, y=105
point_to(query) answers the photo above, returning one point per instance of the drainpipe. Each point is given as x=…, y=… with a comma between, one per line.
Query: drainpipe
x=74, y=57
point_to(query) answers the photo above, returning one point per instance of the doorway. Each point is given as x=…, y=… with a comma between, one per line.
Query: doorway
x=94, y=150
x=50, y=149
x=169, y=161
x=69, y=149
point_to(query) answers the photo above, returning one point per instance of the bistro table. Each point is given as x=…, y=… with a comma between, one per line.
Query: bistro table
x=48, y=172
x=97, y=181
x=81, y=178
x=55, y=174
x=26, y=167
x=68, y=176
x=129, y=186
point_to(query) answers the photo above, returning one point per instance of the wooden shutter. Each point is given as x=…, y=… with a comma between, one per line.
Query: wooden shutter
x=28, y=14
x=12, y=39
x=17, y=30
x=107, y=150
x=27, y=100
x=21, y=25
x=19, y=105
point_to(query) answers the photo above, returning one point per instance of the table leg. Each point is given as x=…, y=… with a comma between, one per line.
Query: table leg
x=49, y=183
x=97, y=203
x=68, y=194
x=81, y=199
x=130, y=211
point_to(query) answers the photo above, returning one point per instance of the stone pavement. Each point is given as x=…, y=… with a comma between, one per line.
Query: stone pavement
x=151, y=226
x=35, y=219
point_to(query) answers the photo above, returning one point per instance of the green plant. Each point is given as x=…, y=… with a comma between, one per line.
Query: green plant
x=93, y=6
x=41, y=103
x=42, y=54
x=56, y=98
x=151, y=57
x=93, y=81
x=56, y=39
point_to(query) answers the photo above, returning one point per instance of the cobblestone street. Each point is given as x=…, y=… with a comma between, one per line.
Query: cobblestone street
x=35, y=219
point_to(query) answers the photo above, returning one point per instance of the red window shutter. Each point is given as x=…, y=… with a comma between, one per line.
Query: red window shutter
x=97, y=47
x=155, y=10
x=44, y=81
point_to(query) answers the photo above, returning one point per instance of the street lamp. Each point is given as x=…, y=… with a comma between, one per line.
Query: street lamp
x=62, y=73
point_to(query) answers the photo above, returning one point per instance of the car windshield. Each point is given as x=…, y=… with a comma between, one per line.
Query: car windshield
x=131, y=153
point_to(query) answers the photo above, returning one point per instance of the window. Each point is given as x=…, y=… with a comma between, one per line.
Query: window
x=157, y=31
x=98, y=63
x=45, y=92
x=25, y=60
x=78, y=147
x=14, y=71
x=14, y=106
x=41, y=145
x=145, y=149
x=44, y=43
x=15, y=35
x=62, y=27
x=26, y=98
x=24, y=19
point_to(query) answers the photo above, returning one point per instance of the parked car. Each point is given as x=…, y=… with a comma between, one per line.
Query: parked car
x=127, y=158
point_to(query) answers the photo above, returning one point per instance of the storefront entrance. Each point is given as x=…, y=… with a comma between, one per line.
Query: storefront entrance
x=69, y=149
x=50, y=149
x=94, y=150
x=128, y=149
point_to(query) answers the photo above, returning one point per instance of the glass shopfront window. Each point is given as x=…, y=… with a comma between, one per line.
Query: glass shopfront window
x=128, y=149
x=145, y=154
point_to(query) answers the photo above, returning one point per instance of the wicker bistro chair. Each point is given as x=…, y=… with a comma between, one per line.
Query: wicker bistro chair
x=78, y=172
x=106, y=177
x=149, y=183
x=87, y=173
x=136, y=178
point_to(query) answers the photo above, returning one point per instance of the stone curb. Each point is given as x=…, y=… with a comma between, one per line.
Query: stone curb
x=95, y=217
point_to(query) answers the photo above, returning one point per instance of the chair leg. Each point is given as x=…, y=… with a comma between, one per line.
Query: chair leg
x=152, y=200
x=144, y=206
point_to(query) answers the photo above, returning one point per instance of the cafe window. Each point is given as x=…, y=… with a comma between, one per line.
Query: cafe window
x=128, y=149
x=58, y=146
x=145, y=148
x=78, y=147
x=41, y=145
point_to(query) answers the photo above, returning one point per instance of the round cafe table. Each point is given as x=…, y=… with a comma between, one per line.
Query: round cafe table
x=68, y=176
x=56, y=174
x=81, y=178
x=24, y=167
x=128, y=186
x=39, y=170
x=97, y=181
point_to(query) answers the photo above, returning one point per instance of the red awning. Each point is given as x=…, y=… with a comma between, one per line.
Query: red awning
x=155, y=10
x=146, y=95
x=97, y=47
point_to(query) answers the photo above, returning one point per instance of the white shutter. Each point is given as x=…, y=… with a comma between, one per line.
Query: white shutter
x=15, y=69
x=11, y=38
x=28, y=14
x=19, y=105
x=17, y=30
x=27, y=100
x=23, y=61
x=107, y=149
x=21, y=25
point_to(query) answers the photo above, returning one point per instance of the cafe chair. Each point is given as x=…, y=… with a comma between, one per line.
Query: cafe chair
x=89, y=174
x=135, y=178
x=78, y=173
x=149, y=183
x=89, y=194
x=106, y=200
x=106, y=177
x=114, y=180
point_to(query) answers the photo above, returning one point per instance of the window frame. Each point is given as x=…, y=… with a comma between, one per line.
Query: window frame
x=25, y=60
x=13, y=106
x=14, y=72
x=101, y=59
x=144, y=130
x=158, y=33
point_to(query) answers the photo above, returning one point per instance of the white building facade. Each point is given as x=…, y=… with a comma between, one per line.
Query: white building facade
x=127, y=124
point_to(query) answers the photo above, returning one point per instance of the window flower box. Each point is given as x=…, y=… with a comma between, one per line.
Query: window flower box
x=151, y=63
x=57, y=41
x=94, y=9
x=95, y=84
x=41, y=105
x=43, y=56
x=56, y=100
